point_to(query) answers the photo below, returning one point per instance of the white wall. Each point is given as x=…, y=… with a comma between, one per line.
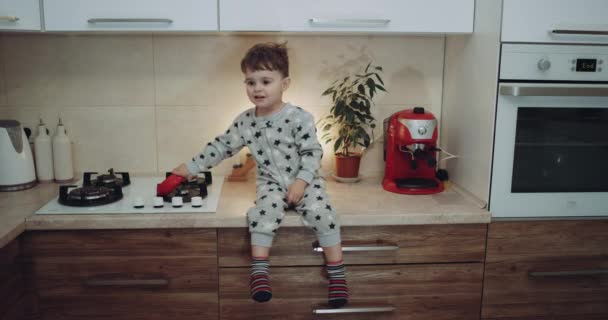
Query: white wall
x=145, y=103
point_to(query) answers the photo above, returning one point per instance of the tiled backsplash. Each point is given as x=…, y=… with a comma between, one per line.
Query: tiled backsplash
x=145, y=103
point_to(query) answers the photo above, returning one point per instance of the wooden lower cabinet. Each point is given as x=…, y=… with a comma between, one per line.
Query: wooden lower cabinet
x=425, y=291
x=543, y=270
x=124, y=274
x=12, y=293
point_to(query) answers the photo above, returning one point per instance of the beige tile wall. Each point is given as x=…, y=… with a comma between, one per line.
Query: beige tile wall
x=145, y=103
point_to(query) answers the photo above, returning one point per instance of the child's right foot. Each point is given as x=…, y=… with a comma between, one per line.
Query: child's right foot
x=259, y=283
x=338, y=292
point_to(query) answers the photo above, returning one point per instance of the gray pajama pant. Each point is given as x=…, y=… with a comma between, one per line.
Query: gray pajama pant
x=314, y=209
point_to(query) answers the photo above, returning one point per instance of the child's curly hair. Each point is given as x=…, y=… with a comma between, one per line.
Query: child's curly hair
x=267, y=56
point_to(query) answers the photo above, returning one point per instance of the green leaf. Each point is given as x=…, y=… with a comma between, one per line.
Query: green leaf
x=379, y=68
x=328, y=91
x=380, y=87
x=327, y=127
x=361, y=89
x=379, y=78
x=367, y=68
x=373, y=125
x=337, y=144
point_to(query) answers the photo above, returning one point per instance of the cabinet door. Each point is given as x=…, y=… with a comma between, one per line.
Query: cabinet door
x=19, y=15
x=567, y=21
x=546, y=270
x=124, y=274
x=411, y=16
x=446, y=291
x=130, y=15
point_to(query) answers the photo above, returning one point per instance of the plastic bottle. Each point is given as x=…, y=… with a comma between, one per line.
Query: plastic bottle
x=62, y=155
x=43, y=154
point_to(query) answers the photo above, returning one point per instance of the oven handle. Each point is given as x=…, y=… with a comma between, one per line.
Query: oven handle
x=553, y=90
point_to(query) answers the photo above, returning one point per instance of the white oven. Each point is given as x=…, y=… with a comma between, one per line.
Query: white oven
x=551, y=133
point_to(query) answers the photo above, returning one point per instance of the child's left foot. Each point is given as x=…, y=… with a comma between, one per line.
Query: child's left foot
x=259, y=283
x=338, y=292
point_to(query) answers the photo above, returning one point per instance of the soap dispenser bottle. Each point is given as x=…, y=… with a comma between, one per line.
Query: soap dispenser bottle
x=62, y=155
x=43, y=154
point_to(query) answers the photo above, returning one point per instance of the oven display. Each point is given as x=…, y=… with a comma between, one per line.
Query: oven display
x=586, y=65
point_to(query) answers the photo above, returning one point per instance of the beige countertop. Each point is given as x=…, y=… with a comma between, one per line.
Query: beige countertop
x=363, y=203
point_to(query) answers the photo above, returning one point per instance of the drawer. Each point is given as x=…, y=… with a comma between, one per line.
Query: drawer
x=97, y=275
x=363, y=245
x=547, y=270
x=534, y=21
x=446, y=291
x=139, y=242
x=131, y=306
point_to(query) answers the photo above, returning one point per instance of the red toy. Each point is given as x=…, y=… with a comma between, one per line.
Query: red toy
x=410, y=152
x=169, y=184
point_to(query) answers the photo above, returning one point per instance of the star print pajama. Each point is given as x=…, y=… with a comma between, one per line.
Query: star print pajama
x=285, y=148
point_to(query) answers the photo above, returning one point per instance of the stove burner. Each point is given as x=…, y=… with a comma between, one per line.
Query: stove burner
x=107, y=180
x=87, y=196
x=192, y=188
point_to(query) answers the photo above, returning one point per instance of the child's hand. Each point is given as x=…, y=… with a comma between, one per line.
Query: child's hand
x=296, y=191
x=182, y=171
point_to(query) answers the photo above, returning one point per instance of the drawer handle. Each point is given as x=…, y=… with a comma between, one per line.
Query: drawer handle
x=9, y=18
x=350, y=22
x=129, y=20
x=548, y=274
x=317, y=248
x=126, y=282
x=354, y=310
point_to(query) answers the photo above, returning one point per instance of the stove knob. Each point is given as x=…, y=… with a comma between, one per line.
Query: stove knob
x=197, y=202
x=159, y=202
x=544, y=64
x=177, y=202
x=138, y=203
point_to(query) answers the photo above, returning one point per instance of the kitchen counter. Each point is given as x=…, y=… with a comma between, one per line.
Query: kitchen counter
x=360, y=204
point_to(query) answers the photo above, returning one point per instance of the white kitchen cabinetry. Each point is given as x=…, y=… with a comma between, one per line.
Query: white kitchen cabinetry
x=20, y=15
x=407, y=16
x=130, y=15
x=555, y=21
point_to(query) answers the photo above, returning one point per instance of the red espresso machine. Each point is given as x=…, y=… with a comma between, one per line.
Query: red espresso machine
x=410, y=153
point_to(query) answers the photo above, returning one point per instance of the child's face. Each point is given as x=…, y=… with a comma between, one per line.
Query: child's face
x=265, y=88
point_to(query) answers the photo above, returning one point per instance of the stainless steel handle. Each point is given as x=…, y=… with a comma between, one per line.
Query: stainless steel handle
x=317, y=248
x=350, y=22
x=126, y=282
x=580, y=32
x=129, y=20
x=554, y=90
x=575, y=273
x=9, y=18
x=354, y=310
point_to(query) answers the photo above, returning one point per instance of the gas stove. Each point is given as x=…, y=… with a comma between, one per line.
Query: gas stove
x=118, y=193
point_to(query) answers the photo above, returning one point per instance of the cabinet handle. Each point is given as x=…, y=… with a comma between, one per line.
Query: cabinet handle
x=554, y=90
x=548, y=274
x=580, y=32
x=350, y=22
x=129, y=20
x=9, y=18
x=126, y=282
x=317, y=248
x=354, y=310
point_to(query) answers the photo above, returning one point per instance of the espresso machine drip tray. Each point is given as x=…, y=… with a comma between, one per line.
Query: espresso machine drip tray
x=416, y=183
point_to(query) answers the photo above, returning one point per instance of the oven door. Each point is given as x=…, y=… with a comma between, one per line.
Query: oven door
x=550, y=151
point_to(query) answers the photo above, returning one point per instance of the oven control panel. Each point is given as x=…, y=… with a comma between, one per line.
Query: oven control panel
x=554, y=62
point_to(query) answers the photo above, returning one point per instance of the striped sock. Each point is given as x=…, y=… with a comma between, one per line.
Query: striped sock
x=338, y=292
x=259, y=284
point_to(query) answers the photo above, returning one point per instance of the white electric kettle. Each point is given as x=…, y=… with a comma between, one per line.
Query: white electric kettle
x=16, y=162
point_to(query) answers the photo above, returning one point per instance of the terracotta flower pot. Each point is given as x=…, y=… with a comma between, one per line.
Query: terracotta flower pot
x=348, y=166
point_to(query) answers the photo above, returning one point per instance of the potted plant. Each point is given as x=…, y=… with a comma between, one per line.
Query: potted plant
x=350, y=123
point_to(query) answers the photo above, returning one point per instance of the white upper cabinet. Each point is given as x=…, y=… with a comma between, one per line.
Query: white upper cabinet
x=130, y=15
x=407, y=16
x=555, y=21
x=19, y=15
